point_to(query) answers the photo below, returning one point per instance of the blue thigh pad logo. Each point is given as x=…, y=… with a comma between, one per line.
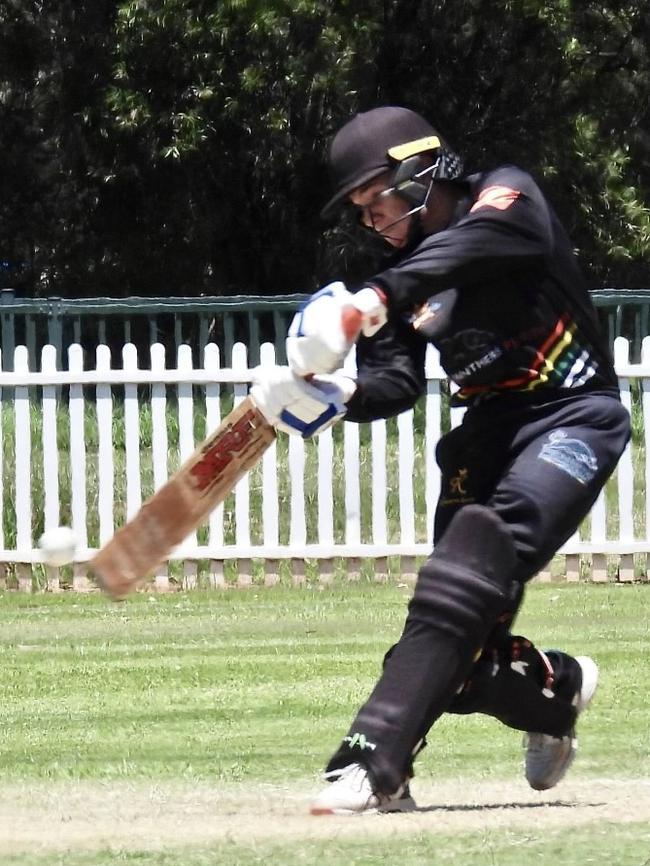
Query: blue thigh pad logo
x=572, y=456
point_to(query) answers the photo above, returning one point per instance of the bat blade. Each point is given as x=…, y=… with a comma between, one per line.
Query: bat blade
x=184, y=502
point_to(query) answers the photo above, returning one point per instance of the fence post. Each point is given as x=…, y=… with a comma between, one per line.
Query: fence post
x=105, y=468
x=186, y=442
x=242, y=489
x=77, y=460
x=625, y=470
x=433, y=431
x=159, y=444
x=23, y=469
x=211, y=362
x=131, y=434
x=270, y=503
x=51, y=509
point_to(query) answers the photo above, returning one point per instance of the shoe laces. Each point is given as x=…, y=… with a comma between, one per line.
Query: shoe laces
x=349, y=773
x=356, y=775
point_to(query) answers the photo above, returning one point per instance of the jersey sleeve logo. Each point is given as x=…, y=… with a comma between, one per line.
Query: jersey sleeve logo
x=499, y=197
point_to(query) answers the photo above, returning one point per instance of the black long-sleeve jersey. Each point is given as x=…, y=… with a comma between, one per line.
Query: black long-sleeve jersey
x=500, y=295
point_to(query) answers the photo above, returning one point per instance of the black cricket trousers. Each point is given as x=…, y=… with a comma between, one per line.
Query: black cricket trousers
x=539, y=467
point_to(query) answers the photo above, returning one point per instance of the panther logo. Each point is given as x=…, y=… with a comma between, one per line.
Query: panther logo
x=572, y=456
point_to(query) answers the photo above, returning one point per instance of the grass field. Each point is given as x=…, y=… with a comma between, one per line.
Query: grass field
x=191, y=729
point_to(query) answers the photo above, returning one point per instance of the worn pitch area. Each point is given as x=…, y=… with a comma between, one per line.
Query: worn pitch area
x=91, y=816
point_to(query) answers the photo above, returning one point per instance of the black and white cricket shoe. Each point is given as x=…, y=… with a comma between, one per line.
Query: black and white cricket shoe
x=548, y=758
x=350, y=793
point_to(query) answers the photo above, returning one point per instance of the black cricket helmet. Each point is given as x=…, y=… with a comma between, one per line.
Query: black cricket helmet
x=384, y=139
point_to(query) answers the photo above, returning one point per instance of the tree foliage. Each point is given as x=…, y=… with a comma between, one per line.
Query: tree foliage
x=178, y=146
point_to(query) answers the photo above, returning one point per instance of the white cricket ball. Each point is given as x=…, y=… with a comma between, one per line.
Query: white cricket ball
x=58, y=545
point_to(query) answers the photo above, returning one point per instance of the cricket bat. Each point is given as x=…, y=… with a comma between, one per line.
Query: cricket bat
x=184, y=502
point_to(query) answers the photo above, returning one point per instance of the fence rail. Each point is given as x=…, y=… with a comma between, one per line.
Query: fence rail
x=253, y=320
x=86, y=446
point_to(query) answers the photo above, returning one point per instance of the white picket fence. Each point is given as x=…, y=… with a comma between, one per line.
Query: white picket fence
x=354, y=494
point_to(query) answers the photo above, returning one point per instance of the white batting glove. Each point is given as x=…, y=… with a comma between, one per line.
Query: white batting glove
x=325, y=329
x=297, y=406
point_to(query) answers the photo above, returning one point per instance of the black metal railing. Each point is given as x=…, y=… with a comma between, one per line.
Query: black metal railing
x=171, y=321
x=196, y=321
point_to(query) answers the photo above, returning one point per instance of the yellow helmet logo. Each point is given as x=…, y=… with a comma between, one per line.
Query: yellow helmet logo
x=410, y=148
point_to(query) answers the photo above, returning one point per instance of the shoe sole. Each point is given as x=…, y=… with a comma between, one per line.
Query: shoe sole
x=561, y=770
x=588, y=688
x=404, y=804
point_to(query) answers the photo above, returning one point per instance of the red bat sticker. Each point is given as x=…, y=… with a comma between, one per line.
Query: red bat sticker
x=216, y=458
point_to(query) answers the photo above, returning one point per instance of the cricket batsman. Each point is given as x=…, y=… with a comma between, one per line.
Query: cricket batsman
x=481, y=268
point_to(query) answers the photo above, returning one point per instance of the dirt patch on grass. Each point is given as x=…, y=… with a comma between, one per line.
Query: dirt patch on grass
x=90, y=816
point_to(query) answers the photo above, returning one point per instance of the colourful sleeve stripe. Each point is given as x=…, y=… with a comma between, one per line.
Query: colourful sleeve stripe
x=559, y=362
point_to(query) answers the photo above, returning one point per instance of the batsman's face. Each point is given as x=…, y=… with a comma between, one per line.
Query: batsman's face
x=381, y=211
